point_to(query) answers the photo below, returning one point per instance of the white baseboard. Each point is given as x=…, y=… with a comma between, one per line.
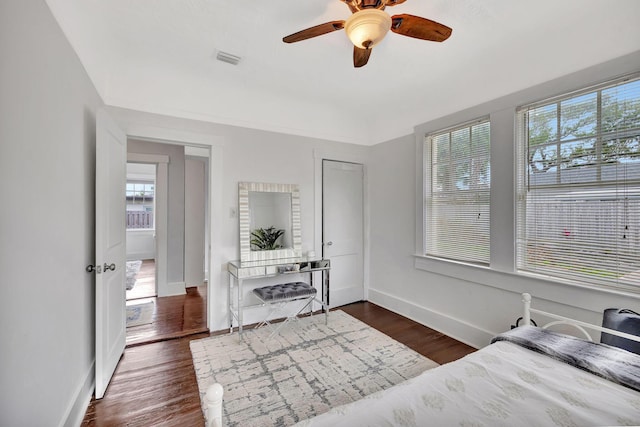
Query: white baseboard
x=455, y=328
x=172, y=288
x=345, y=296
x=140, y=255
x=79, y=404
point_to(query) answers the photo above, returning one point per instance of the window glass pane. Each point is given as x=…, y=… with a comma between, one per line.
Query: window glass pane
x=480, y=173
x=441, y=147
x=578, y=117
x=621, y=107
x=140, y=212
x=579, y=175
x=480, y=139
x=460, y=144
x=578, y=153
x=462, y=176
x=621, y=150
x=543, y=164
x=543, y=125
x=579, y=161
x=442, y=178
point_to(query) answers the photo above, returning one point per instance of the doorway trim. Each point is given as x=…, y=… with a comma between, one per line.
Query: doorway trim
x=341, y=156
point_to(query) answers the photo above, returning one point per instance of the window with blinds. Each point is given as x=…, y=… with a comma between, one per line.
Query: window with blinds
x=578, y=208
x=457, y=191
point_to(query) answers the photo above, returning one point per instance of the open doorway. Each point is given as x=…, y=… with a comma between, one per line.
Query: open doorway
x=166, y=217
x=141, y=232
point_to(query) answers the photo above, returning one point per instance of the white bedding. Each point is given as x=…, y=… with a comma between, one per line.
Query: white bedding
x=501, y=385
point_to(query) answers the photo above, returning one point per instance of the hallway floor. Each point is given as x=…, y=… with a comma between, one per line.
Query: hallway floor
x=174, y=316
x=145, y=285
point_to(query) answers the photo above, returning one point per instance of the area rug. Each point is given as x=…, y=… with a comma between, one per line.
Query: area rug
x=305, y=370
x=140, y=314
x=133, y=267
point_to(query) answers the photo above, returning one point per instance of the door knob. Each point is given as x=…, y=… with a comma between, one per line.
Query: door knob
x=108, y=267
x=94, y=269
x=329, y=243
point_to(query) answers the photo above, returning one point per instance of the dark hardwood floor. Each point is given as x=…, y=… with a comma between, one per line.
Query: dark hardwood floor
x=432, y=344
x=155, y=384
x=174, y=317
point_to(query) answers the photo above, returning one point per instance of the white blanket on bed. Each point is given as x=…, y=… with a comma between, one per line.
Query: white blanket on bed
x=500, y=385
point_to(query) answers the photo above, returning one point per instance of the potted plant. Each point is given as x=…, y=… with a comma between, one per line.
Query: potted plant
x=266, y=239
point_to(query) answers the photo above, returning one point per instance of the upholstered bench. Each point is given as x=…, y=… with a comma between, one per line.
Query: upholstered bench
x=276, y=295
x=283, y=291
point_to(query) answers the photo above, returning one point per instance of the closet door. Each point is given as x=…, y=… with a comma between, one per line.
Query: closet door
x=343, y=229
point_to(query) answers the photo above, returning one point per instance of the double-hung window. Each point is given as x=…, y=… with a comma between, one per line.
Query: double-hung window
x=578, y=186
x=457, y=191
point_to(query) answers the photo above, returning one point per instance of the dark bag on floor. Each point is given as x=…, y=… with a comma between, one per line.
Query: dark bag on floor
x=622, y=320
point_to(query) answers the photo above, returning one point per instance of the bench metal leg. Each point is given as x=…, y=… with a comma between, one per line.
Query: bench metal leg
x=277, y=306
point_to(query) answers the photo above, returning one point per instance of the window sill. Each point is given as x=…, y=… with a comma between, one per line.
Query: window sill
x=539, y=286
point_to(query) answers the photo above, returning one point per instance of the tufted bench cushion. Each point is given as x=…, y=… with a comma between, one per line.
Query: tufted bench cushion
x=284, y=291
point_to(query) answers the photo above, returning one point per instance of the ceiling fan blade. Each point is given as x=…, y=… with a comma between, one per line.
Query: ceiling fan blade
x=393, y=2
x=316, y=31
x=360, y=56
x=419, y=28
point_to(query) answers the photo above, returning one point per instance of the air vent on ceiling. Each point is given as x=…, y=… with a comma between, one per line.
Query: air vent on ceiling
x=227, y=57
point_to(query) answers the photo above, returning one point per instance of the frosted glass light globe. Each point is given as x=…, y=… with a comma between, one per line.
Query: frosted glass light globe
x=367, y=27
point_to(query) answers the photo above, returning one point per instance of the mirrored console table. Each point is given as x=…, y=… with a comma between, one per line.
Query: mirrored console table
x=240, y=271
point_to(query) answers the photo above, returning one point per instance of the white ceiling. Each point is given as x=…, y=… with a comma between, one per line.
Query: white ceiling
x=159, y=56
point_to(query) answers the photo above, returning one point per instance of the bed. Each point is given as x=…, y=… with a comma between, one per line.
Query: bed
x=527, y=376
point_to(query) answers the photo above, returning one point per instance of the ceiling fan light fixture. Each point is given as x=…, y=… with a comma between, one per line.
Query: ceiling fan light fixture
x=367, y=27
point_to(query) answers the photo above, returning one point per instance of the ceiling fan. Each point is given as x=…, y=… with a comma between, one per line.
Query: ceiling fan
x=368, y=25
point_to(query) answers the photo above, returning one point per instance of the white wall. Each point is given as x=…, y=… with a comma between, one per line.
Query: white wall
x=47, y=151
x=194, y=220
x=141, y=244
x=470, y=303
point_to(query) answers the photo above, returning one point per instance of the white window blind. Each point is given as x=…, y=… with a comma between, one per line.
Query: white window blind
x=578, y=209
x=457, y=191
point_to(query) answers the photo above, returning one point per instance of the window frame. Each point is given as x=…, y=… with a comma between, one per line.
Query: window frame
x=523, y=185
x=428, y=179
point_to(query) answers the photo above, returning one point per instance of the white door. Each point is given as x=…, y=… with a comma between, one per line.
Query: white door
x=111, y=159
x=342, y=230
